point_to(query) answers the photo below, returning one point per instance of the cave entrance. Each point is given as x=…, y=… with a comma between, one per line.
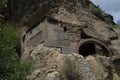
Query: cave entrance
x=87, y=49
x=90, y=47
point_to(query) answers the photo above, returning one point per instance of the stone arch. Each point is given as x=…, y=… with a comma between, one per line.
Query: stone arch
x=87, y=47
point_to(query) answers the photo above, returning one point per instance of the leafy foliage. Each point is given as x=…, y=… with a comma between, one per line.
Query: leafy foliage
x=3, y=10
x=10, y=66
x=3, y=5
x=69, y=70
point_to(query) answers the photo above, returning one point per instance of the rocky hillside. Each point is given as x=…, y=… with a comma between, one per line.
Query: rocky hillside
x=54, y=30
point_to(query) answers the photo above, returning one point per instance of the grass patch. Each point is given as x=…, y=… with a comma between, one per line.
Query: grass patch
x=69, y=70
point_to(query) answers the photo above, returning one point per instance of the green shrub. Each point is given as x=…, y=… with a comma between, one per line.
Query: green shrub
x=11, y=68
x=69, y=70
x=3, y=5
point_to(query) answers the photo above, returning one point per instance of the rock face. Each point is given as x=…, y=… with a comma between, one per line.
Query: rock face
x=55, y=29
x=47, y=65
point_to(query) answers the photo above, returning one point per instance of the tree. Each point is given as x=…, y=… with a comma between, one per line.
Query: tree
x=11, y=68
x=3, y=6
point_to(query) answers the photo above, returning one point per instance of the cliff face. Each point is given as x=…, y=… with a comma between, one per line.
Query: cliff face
x=57, y=29
x=31, y=12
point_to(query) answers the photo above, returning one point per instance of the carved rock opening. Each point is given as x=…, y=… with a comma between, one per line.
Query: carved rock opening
x=64, y=29
x=84, y=36
x=87, y=49
x=89, y=46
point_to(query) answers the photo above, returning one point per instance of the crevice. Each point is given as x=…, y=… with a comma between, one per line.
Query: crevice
x=117, y=66
x=84, y=36
x=51, y=20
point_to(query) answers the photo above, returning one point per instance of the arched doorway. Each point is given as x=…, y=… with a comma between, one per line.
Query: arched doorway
x=88, y=47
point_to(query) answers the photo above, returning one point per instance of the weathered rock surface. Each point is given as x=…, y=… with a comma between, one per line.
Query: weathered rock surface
x=55, y=29
x=48, y=61
x=47, y=65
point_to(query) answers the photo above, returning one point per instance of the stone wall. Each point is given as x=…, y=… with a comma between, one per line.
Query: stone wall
x=52, y=35
x=66, y=36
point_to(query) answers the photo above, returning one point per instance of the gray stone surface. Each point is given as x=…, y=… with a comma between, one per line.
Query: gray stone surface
x=101, y=33
x=52, y=43
x=53, y=76
x=48, y=61
x=54, y=27
x=63, y=36
x=115, y=44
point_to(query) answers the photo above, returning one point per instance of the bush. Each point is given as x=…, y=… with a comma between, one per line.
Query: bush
x=11, y=68
x=69, y=70
x=3, y=5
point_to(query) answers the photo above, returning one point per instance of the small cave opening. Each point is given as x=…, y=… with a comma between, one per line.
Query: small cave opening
x=52, y=20
x=84, y=36
x=23, y=39
x=18, y=50
x=64, y=29
x=87, y=49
